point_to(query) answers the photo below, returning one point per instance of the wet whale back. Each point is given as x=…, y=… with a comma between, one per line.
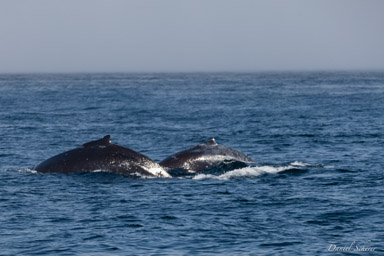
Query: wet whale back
x=101, y=155
x=203, y=157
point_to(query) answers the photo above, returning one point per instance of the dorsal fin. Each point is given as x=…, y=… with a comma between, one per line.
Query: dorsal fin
x=97, y=143
x=211, y=142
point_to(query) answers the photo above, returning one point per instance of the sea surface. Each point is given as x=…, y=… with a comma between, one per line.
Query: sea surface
x=318, y=182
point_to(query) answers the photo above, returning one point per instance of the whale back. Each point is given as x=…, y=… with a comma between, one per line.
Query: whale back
x=203, y=156
x=106, y=141
x=102, y=154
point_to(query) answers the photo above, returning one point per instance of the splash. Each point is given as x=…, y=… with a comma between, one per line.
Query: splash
x=246, y=172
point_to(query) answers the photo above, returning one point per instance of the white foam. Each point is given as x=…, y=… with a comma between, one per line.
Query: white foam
x=143, y=176
x=100, y=170
x=245, y=172
x=159, y=172
x=298, y=163
x=27, y=170
x=153, y=168
x=301, y=164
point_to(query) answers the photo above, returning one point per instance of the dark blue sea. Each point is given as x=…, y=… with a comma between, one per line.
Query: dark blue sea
x=317, y=186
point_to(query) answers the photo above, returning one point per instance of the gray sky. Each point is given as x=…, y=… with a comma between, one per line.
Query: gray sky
x=195, y=35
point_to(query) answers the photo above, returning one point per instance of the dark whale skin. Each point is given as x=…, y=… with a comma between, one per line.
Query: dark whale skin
x=101, y=155
x=203, y=157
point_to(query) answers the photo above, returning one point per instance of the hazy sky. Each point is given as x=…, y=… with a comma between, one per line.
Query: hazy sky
x=195, y=35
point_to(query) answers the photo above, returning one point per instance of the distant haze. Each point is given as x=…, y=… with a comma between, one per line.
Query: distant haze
x=195, y=35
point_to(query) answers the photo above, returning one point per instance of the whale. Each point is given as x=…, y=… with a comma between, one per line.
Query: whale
x=102, y=155
x=203, y=157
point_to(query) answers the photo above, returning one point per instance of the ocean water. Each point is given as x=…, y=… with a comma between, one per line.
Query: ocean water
x=317, y=138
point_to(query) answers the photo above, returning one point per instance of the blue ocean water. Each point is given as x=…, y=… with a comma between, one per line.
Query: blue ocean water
x=317, y=137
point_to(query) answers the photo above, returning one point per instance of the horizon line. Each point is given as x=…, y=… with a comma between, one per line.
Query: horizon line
x=379, y=70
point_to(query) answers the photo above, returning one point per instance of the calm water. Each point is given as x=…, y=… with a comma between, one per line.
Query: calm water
x=318, y=140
